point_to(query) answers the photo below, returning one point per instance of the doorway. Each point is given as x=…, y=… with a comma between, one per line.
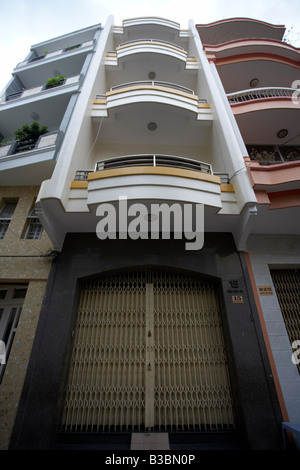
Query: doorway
x=148, y=354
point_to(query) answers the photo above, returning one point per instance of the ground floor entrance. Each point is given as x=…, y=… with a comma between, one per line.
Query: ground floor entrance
x=145, y=337
x=148, y=354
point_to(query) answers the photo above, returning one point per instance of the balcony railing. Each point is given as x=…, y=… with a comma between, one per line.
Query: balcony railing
x=259, y=93
x=65, y=82
x=133, y=41
x=271, y=155
x=48, y=55
x=146, y=160
x=67, y=49
x=155, y=83
x=12, y=148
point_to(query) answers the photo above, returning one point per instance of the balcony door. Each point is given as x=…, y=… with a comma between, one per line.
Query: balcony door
x=148, y=354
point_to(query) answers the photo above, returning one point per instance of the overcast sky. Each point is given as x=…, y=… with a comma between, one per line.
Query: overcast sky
x=28, y=22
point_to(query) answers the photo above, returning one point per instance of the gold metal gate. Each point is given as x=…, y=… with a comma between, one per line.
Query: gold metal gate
x=148, y=353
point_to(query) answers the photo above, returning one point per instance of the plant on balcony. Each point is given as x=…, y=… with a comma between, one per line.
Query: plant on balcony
x=55, y=81
x=264, y=156
x=70, y=48
x=27, y=136
x=291, y=155
x=5, y=142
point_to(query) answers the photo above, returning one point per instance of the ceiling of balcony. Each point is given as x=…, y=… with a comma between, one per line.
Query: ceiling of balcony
x=37, y=73
x=151, y=30
x=232, y=29
x=261, y=127
x=34, y=109
x=67, y=40
x=165, y=68
x=175, y=127
x=237, y=76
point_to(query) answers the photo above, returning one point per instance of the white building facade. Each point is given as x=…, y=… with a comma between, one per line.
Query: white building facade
x=139, y=337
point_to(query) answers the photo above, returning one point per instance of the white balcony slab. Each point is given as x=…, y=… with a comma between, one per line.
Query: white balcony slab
x=33, y=94
x=150, y=94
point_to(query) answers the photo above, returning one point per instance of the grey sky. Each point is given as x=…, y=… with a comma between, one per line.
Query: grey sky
x=28, y=22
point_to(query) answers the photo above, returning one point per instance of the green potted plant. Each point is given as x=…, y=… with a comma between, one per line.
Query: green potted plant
x=5, y=142
x=55, y=81
x=70, y=48
x=27, y=136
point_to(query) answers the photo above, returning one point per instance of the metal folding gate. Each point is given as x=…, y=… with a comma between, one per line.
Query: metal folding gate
x=148, y=353
x=287, y=287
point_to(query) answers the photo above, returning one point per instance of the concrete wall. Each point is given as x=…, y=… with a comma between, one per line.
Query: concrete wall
x=278, y=251
x=21, y=262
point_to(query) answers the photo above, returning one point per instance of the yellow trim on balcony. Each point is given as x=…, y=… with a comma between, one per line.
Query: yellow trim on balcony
x=97, y=101
x=133, y=88
x=154, y=170
x=79, y=185
x=204, y=105
x=227, y=188
x=152, y=87
x=200, y=105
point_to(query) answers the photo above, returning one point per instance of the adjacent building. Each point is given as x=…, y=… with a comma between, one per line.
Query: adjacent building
x=149, y=331
x=260, y=75
x=35, y=110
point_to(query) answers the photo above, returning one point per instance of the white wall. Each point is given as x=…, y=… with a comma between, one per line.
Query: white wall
x=228, y=149
x=79, y=139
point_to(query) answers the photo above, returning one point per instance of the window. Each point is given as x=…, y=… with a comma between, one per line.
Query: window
x=6, y=214
x=34, y=229
x=11, y=302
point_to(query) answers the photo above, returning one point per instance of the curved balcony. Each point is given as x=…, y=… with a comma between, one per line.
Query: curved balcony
x=149, y=40
x=154, y=27
x=269, y=114
x=158, y=179
x=151, y=20
x=242, y=50
x=263, y=114
x=148, y=177
x=146, y=160
x=238, y=28
x=151, y=92
x=260, y=94
x=155, y=83
x=154, y=46
x=266, y=62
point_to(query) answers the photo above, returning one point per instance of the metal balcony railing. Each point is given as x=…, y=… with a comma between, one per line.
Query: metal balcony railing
x=14, y=96
x=271, y=155
x=66, y=49
x=47, y=55
x=259, y=93
x=33, y=91
x=133, y=41
x=155, y=83
x=146, y=160
x=11, y=148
